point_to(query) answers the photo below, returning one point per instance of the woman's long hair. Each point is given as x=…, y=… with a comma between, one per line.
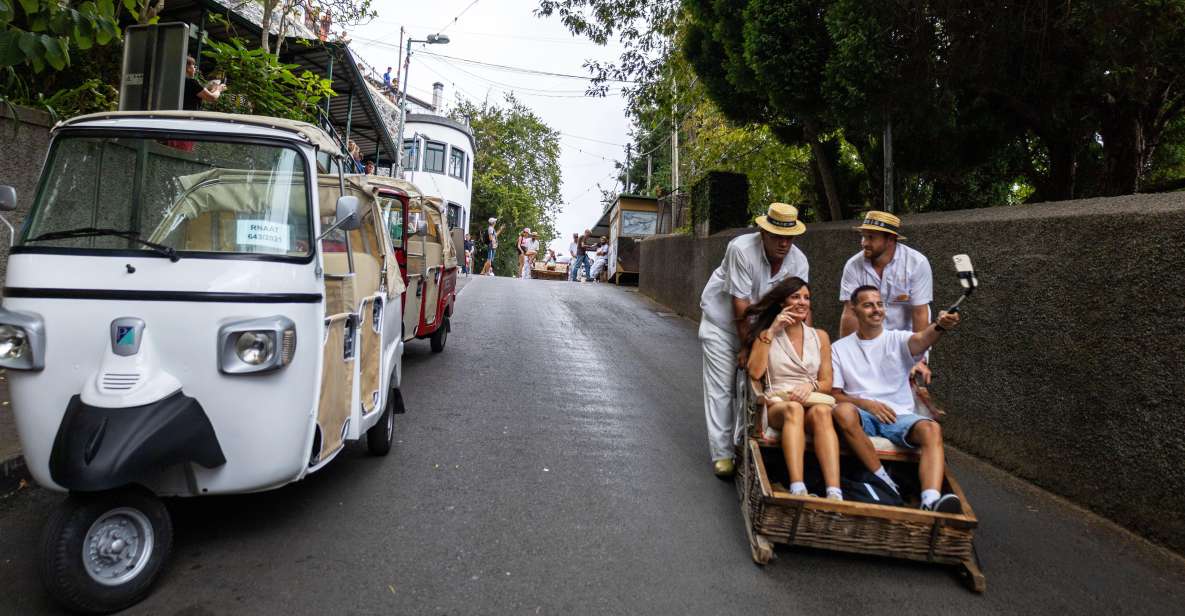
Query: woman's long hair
x=761, y=315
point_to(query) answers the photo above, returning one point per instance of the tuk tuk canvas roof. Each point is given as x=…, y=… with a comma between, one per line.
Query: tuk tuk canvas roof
x=412, y=190
x=328, y=189
x=304, y=130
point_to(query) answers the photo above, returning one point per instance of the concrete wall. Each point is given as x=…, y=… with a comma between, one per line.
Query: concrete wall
x=1069, y=367
x=21, y=157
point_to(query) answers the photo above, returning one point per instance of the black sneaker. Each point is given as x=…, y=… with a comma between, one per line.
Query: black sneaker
x=948, y=503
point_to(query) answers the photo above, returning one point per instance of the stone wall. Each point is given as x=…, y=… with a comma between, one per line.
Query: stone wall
x=22, y=153
x=1069, y=367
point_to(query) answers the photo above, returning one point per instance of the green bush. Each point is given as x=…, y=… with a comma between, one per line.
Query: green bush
x=260, y=84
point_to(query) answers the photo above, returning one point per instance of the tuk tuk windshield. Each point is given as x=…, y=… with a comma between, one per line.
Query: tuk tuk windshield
x=132, y=193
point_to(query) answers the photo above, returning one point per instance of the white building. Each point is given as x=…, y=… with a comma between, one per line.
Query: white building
x=438, y=156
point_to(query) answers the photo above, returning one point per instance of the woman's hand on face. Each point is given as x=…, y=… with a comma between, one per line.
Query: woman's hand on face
x=782, y=321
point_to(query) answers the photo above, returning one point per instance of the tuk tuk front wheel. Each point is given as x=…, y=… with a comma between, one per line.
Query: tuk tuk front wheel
x=440, y=336
x=102, y=552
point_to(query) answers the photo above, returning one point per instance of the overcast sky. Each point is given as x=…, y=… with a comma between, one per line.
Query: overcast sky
x=506, y=32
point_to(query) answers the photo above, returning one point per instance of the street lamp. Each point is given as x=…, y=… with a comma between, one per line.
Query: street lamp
x=431, y=39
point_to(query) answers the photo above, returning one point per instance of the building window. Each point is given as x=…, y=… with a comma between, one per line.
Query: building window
x=454, y=215
x=456, y=164
x=411, y=152
x=434, y=157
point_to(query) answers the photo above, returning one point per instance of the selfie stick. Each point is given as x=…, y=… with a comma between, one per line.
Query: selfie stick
x=966, y=278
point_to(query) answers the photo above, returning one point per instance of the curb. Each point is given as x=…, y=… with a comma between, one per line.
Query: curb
x=12, y=472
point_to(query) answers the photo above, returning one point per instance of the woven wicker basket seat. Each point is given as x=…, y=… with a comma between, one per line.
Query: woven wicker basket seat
x=773, y=516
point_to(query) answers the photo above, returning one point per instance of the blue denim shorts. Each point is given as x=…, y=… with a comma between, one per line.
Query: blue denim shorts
x=894, y=432
x=489, y=254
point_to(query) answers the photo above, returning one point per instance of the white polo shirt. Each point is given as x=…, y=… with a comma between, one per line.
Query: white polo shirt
x=744, y=274
x=907, y=282
x=876, y=369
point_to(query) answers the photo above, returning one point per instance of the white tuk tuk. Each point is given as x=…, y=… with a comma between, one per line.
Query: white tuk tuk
x=198, y=303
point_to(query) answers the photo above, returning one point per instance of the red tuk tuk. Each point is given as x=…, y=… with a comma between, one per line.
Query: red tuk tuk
x=427, y=258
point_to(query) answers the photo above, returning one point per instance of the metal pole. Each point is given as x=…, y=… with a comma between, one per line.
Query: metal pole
x=649, y=170
x=328, y=98
x=350, y=116
x=628, y=164
x=403, y=109
x=889, y=165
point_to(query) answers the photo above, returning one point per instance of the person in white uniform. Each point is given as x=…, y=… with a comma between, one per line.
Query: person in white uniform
x=752, y=264
x=901, y=273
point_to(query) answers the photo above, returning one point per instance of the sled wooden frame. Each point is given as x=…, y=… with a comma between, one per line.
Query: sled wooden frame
x=774, y=516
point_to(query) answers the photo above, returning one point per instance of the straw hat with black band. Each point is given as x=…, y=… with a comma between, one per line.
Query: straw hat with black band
x=782, y=219
x=883, y=222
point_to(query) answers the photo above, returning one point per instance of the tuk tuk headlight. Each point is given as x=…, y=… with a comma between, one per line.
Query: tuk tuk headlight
x=257, y=345
x=22, y=340
x=13, y=342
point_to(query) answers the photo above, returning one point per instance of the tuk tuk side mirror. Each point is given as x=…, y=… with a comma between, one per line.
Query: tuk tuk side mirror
x=347, y=213
x=7, y=198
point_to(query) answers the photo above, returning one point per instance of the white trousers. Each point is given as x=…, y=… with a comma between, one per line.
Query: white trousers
x=720, y=365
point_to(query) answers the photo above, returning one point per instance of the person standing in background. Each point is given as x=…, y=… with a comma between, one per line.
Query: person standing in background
x=195, y=92
x=467, y=266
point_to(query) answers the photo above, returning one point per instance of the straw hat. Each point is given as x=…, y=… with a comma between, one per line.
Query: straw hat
x=883, y=222
x=782, y=219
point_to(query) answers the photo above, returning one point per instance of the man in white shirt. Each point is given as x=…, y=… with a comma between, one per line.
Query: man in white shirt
x=901, y=273
x=870, y=380
x=752, y=264
x=572, y=251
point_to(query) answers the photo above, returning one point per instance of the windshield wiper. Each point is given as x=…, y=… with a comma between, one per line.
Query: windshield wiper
x=134, y=236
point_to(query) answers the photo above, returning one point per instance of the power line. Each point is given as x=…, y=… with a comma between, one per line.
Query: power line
x=519, y=69
x=620, y=145
x=466, y=9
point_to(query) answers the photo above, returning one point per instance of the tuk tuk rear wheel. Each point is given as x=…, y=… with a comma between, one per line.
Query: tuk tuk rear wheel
x=101, y=552
x=380, y=435
x=440, y=336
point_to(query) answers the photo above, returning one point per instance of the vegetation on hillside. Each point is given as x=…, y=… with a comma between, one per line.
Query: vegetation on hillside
x=990, y=102
x=516, y=175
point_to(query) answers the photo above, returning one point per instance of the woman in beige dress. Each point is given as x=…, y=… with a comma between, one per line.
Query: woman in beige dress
x=793, y=360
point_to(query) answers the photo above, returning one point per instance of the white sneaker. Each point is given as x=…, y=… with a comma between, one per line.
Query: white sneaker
x=948, y=503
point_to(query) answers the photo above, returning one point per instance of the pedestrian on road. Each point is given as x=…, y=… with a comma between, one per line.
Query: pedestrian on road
x=752, y=264
x=600, y=259
x=530, y=250
x=572, y=248
x=870, y=380
x=794, y=362
x=901, y=273
x=521, y=247
x=491, y=247
x=582, y=248
x=467, y=266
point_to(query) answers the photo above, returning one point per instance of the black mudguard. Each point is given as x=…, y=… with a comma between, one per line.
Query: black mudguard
x=102, y=448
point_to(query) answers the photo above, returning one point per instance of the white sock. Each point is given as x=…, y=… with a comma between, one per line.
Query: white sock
x=835, y=493
x=929, y=497
x=884, y=476
x=798, y=488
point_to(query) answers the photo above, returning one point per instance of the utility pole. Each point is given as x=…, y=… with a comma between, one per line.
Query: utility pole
x=628, y=164
x=649, y=170
x=888, y=164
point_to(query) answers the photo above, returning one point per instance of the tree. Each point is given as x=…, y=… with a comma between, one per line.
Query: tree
x=344, y=13
x=41, y=33
x=516, y=172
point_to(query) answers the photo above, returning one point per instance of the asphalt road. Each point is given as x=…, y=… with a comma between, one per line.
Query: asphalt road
x=553, y=460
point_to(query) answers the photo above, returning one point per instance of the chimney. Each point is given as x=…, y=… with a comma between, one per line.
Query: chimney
x=438, y=97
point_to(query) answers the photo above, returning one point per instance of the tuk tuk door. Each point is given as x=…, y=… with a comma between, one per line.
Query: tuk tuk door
x=415, y=249
x=434, y=260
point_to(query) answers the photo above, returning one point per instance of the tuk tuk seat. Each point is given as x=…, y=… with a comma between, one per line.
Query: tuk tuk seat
x=366, y=273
